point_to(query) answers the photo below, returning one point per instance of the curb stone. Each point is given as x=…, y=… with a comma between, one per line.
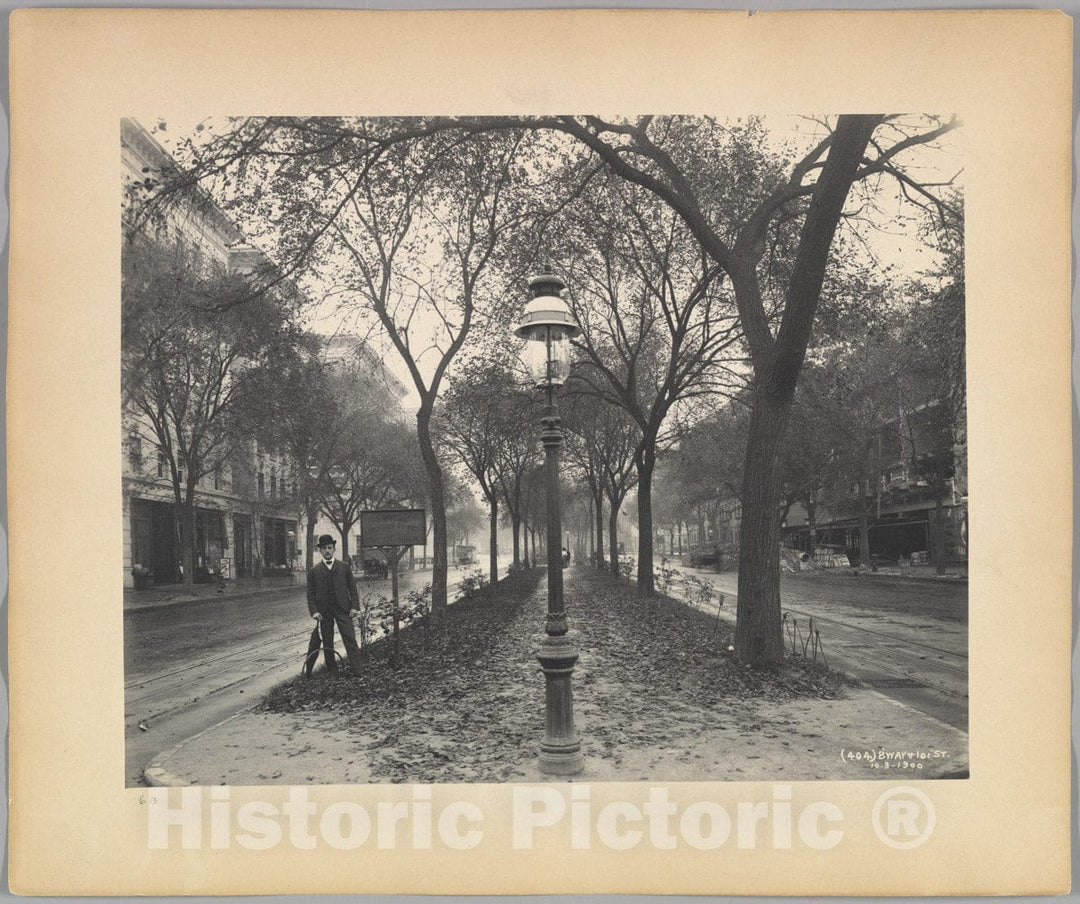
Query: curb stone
x=157, y=776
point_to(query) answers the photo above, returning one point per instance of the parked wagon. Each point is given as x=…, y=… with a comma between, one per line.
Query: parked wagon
x=464, y=555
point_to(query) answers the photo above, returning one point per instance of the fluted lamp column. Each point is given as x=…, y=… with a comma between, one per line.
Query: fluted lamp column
x=548, y=326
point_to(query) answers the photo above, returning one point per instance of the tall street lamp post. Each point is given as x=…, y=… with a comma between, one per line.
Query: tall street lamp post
x=548, y=326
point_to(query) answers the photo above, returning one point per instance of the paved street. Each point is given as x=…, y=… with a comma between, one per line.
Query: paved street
x=191, y=664
x=904, y=637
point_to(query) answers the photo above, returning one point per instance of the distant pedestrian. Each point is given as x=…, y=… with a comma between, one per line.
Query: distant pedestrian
x=332, y=598
x=565, y=557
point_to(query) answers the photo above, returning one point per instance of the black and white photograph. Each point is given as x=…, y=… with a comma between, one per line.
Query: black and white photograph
x=511, y=449
x=540, y=452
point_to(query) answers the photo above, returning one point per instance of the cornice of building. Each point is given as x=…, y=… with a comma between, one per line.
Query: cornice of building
x=135, y=135
x=342, y=346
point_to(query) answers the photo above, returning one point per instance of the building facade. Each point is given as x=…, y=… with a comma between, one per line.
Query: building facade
x=360, y=372
x=244, y=514
x=916, y=507
x=915, y=504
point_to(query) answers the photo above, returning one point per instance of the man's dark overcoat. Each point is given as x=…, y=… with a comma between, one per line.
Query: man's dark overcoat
x=331, y=590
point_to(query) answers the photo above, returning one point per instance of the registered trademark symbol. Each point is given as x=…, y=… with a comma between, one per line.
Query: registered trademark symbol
x=903, y=818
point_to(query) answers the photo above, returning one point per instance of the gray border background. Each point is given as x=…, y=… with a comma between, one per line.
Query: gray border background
x=1072, y=7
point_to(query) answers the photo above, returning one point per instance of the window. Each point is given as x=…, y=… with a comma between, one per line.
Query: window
x=261, y=484
x=892, y=444
x=273, y=485
x=135, y=453
x=217, y=477
x=160, y=464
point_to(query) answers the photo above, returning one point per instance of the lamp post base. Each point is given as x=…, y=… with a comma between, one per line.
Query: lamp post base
x=560, y=751
x=561, y=763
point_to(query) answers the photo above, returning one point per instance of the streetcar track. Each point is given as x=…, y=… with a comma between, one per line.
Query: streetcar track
x=923, y=685
x=897, y=649
x=924, y=663
x=894, y=637
x=275, y=643
x=158, y=677
x=217, y=690
x=844, y=650
x=281, y=643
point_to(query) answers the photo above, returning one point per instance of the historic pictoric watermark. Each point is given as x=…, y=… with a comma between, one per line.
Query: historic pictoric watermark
x=542, y=816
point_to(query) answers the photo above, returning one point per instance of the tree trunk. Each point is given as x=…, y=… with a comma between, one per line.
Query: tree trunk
x=939, y=534
x=257, y=546
x=178, y=534
x=592, y=539
x=515, y=529
x=187, y=537
x=494, y=540
x=777, y=362
x=645, y=524
x=613, y=544
x=438, y=559
x=438, y=512
x=311, y=513
x=811, y=520
x=345, y=528
x=600, y=530
x=535, y=560
x=758, y=633
x=864, y=524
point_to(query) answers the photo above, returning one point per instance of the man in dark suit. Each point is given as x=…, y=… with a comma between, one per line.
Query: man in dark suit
x=332, y=598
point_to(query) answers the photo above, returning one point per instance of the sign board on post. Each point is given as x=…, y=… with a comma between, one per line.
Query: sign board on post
x=396, y=529
x=393, y=527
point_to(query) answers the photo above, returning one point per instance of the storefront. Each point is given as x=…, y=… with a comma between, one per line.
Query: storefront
x=154, y=543
x=909, y=535
x=901, y=536
x=241, y=548
x=279, y=543
x=211, y=543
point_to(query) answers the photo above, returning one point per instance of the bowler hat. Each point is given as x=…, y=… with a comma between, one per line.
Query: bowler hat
x=327, y=540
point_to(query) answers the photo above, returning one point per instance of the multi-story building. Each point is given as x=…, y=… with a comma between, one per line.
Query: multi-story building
x=360, y=372
x=247, y=512
x=916, y=481
x=244, y=512
x=919, y=490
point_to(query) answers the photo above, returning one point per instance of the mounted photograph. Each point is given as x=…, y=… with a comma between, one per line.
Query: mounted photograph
x=507, y=449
